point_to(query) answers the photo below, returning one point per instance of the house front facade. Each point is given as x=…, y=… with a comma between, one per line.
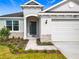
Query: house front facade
x=59, y=22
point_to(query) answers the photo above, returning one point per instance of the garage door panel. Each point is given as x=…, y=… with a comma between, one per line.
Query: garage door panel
x=65, y=31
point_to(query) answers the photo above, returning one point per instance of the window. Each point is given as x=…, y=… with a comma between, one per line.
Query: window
x=9, y=24
x=15, y=25
x=12, y=25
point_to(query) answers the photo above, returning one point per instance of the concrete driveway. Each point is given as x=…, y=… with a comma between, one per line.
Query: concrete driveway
x=69, y=49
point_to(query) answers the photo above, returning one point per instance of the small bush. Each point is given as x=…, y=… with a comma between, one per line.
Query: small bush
x=30, y=51
x=45, y=51
x=4, y=33
x=12, y=48
x=21, y=50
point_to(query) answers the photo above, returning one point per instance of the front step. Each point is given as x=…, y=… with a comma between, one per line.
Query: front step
x=41, y=48
x=33, y=46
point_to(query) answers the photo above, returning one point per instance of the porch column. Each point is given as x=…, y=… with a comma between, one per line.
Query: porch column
x=25, y=28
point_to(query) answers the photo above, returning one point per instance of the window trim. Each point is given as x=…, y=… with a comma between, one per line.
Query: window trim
x=12, y=25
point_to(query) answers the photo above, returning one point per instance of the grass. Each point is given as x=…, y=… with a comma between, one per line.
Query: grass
x=6, y=54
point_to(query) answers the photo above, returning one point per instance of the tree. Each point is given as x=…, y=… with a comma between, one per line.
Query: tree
x=4, y=34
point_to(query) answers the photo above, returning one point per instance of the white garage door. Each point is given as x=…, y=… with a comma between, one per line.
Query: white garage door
x=65, y=30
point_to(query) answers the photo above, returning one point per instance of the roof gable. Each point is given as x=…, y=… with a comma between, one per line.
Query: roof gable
x=54, y=6
x=32, y=2
x=64, y=6
x=70, y=6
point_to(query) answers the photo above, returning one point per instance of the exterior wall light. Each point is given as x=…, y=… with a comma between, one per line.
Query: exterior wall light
x=75, y=16
x=46, y=21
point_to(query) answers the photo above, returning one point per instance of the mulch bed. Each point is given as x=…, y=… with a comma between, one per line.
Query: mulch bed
x=15, y=44
x=43, y=43
x=40, y=51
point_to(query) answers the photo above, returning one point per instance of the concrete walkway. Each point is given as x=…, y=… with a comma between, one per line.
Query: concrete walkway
x=69, y=49
x=33, y=45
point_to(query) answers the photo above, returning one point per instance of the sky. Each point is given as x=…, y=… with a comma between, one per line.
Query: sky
x=13, y=6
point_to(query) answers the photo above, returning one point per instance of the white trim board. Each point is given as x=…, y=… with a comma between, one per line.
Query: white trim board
x=12, y=17
x=58, y=14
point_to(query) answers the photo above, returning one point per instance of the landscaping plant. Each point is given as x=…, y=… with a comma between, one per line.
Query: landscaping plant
x=4, y=33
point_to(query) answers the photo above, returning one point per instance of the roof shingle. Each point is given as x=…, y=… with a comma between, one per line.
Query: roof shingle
x=19, y=14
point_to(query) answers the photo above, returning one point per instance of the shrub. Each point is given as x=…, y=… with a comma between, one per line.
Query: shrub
x=45, y=51
x=12, y=48
x=16, y=45
x=21, y=50
x=4, y=33
x=30, y=51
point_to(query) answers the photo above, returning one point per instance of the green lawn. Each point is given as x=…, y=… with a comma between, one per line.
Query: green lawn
x=6, y=54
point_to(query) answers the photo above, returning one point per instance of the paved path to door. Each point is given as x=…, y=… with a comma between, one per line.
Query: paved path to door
x=69, y=49
x=33, y=45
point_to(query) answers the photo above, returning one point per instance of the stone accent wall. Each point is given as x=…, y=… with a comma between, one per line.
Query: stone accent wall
x=16, y=34
x=45, y=38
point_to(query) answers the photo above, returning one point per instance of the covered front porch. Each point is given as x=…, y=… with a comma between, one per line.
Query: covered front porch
x=31, y=27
